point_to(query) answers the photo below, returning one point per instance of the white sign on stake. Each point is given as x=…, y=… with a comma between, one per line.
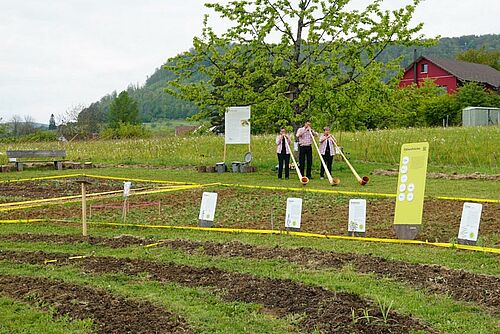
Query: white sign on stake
x=208, y=204
x=237, y=125
x=293, y=213
x=469, y=224
x=126, y=189
x=357, y=216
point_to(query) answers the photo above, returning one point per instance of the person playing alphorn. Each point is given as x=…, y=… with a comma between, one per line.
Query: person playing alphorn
x=327, y=149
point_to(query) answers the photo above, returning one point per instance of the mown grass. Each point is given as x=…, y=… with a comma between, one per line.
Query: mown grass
x=466, y=149
x=19, y=318
x=439, y=311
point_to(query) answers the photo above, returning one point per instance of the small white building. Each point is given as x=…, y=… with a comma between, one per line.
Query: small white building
x=476, y=116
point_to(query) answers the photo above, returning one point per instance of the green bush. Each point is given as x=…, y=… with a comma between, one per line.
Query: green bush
x=38, y=136
x=125, y=131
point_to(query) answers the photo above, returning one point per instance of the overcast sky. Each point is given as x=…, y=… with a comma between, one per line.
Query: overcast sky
x=55, y=54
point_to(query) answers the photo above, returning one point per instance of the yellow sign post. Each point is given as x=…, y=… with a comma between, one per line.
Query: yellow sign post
x=411, y=190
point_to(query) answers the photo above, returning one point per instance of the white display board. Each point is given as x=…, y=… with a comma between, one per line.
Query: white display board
x=237, y=125
x=208, y=204
x=293, y=213
x=357, y=216
x=126, y=188
x=469, y=224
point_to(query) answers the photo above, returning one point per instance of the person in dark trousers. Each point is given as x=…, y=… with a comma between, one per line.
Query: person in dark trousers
x=283, y=143
x=305, y=149
x=327, y=150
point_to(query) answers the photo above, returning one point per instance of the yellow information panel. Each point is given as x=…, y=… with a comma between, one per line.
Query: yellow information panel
x=411, y=184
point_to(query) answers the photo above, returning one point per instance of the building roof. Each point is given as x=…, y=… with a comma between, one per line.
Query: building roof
x=466, y=71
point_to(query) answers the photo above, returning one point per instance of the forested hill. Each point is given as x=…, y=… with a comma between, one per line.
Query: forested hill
x=155, y=104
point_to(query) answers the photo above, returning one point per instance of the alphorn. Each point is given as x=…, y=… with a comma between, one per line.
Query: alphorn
x=334, y=181
x=303, y=179
x=362, y=180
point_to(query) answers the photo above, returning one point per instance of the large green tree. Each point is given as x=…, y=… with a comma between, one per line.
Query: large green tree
x=291, y=59
x=123, y=110
x=482, y=56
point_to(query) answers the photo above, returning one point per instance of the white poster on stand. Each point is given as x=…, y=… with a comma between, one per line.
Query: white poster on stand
x=293, y=213
x=357, y=216
x=126, y=189
x=469, y=224
x=208, y=204
x=237, y=125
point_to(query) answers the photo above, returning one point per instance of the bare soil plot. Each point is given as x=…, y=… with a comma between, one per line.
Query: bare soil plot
x=324, y=310
x=42, y=189
x=111, y=314
x=459, y=284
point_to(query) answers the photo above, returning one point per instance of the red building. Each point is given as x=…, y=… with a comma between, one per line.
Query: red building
x=450, y=74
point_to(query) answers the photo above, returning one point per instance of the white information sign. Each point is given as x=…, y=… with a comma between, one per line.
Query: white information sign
x=469, y=224
x=126, y=189
x=293, y=213
x=357, y=215
x=237, y=125
x=208, y=204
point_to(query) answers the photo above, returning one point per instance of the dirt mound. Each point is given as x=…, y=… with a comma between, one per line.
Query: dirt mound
x=461, y=285
x=41, y=189
x=111, y=314
x=324, y=310
x=116, y=242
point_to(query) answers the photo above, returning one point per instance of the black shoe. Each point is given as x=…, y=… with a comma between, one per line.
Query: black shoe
x=310, y=177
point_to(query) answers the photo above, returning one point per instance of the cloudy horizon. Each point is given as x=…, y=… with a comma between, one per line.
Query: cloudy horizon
x=58, y=54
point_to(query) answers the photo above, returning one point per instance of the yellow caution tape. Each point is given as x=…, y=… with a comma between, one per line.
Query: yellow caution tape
x=22, y=221
x=304, y=234
x=466, y=199
x=136, y=180
x=69, y=258
x=324, y=191
x=57, y=199
x=304, y=189
x=42, y=178
x=76, y=198
x=357, y=193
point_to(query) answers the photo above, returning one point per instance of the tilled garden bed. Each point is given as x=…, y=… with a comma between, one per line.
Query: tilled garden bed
x=110, y=313
x=323, y=310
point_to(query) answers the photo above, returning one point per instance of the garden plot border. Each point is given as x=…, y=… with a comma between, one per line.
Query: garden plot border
x=187, y=185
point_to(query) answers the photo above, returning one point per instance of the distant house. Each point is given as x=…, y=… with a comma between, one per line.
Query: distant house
x=450, y=74
x=184, y=130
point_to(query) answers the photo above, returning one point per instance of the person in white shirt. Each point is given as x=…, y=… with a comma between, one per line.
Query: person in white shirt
x=283, y=151
x=327, y=150
x=304, y=135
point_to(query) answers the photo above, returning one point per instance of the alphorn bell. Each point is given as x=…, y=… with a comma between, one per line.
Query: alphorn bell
x=362, y=180
x=334, y=181
x=303, y=179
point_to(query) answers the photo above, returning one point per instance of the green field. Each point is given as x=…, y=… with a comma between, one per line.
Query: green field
x=452, y=149
x=213, y=282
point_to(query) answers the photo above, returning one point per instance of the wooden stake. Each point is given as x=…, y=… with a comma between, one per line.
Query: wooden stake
x=84, y=210
x=125, y=207
x=225, y=151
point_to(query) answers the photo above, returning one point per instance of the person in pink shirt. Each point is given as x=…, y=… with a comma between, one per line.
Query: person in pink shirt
x=283, y=151
x=327, y=150
x=305, y=150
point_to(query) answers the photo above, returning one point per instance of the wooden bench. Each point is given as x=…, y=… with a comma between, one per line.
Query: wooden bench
x=40, y=156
